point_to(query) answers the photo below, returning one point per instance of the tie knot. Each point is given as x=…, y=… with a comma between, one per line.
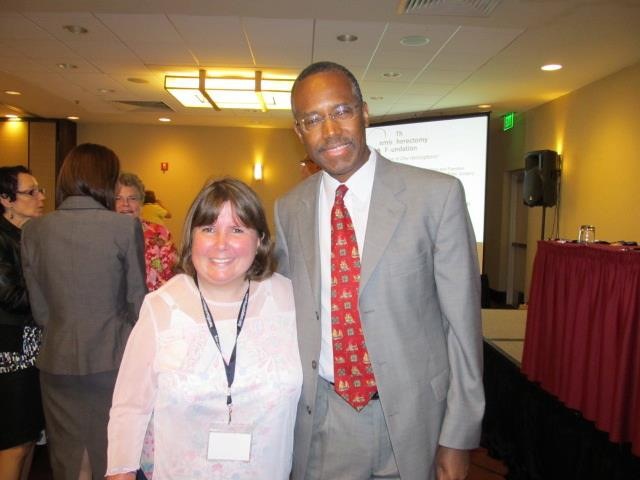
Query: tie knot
x=340, y=193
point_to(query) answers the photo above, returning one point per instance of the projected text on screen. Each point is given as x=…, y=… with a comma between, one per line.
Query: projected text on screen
x=457, y=146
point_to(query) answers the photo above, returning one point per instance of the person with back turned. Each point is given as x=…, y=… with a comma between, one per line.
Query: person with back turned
x=84, y=270
x=382, y=257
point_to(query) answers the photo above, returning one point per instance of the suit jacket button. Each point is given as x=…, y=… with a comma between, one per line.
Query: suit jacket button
x=314, y=364
x=308, y=409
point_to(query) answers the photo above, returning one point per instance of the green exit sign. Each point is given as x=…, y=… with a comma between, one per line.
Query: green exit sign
x=507, y=121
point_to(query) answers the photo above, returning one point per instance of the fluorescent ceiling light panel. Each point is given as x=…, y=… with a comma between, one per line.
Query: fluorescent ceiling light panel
x=239, y=92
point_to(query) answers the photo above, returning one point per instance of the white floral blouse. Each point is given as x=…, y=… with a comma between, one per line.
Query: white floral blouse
x=172, y=367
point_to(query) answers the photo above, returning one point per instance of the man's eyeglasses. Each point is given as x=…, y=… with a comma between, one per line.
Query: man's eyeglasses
x=33, y=192
x=342, y=113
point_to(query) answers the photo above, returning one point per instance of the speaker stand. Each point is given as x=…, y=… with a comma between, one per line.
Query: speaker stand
x=544, y=212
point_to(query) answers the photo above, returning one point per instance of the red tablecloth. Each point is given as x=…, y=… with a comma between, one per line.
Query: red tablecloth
x=582, y=342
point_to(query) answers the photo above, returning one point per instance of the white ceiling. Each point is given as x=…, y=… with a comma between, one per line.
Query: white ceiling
x=479, y=51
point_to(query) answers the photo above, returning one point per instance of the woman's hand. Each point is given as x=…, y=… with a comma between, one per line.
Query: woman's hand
x=122, y=476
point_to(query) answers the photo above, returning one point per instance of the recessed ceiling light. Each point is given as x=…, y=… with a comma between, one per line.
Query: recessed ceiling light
x=391, y=74
x=551, y=67
x=66, y=66
x=484, y=105
x=137, y=80
x=347, y=37
x=414, y=40
x=73, y=117
x=164, y=119
x=12, y=92
x=376, y=98
x=106, y=90
x=75, y=29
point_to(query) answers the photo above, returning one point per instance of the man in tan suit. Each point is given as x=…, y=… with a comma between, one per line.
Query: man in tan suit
x=419, y=300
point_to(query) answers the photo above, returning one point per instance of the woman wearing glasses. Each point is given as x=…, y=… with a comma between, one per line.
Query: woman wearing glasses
x=84, y=268
x=21, y=419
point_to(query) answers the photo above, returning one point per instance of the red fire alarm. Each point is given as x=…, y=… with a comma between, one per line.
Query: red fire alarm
x=164, y=166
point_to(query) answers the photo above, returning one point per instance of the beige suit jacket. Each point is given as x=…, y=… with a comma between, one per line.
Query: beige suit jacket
x=419, y=304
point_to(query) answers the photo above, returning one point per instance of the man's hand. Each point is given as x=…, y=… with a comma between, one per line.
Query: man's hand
x=451, y=463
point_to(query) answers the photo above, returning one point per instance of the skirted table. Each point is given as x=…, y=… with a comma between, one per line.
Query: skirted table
x=582, y=341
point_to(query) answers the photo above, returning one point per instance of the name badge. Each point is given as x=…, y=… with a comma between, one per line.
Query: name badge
x=229, y=445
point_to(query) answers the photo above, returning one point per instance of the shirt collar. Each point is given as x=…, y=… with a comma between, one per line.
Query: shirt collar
x=359, y=184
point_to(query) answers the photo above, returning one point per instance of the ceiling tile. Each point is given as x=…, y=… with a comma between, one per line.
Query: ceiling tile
x=418, y=102
x=438, y=35
x=55, y=82
x=16, y=26
x=410, y=107
x=141, y=28
x=53, y=22
x=110, y=49
x=23, y=67
x=464, y=61
x=407, y=74
x=428, y=88
x=378, y=109
x=368, y=33
x=370, y=88
x=94, y=82
x=443, y=77
x=123, y=67
x=407, y=58
x=50, y=50
x=163, y=53
x=214, y=41
x=482, y=40
x=280, y=42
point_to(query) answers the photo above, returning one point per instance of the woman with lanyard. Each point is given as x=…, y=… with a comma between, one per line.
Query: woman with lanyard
x=214, y=354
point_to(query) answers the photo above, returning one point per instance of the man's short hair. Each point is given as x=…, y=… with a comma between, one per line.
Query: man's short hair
x=322, y=67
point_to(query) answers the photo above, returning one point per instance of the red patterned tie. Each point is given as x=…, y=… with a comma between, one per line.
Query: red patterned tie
x=353, y=375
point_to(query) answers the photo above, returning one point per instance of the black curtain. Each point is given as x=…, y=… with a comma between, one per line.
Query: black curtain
x=541, y=439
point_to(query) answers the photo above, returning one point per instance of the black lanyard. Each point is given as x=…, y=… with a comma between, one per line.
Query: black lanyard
x=229, y=368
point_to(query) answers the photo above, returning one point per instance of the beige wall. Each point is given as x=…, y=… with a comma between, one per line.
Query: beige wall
x=14, y=143
x=595, y=129
x=195, y=154
x=32, y=144
x=42, y=158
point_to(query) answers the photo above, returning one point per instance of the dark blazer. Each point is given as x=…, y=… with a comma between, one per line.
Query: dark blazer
x=419, y=306
x=84, y=268
x=14, y=301
x=15, y=312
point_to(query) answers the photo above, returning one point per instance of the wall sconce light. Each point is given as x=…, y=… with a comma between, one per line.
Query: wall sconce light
x=164, y=166
x=233, y=91
x=257, y=171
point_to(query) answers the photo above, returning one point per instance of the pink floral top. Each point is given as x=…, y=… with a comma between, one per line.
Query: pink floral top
x=160, y=254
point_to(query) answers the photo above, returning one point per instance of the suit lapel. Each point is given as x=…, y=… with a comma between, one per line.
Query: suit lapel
x=385, y=213
x=308, y=232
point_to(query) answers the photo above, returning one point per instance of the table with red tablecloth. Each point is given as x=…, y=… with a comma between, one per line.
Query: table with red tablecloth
x=582, y=342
